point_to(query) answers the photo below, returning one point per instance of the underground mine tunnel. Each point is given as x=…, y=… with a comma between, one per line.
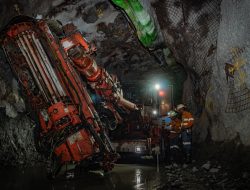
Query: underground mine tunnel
x=125, y=94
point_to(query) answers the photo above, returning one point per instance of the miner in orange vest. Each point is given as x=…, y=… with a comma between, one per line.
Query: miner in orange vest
x=187, y=122
x=174, y=129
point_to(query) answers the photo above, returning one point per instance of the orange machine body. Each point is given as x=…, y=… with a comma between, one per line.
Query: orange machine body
x=49, y=76
x=73, y=147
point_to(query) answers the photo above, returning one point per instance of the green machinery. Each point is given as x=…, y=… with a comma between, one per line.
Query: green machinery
x=142, y=21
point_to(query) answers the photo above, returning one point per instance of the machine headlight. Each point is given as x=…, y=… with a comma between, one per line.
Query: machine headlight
x=138, y=149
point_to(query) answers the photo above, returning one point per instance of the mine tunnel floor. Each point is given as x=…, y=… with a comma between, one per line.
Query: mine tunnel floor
x=214, y=166
x=198, y=175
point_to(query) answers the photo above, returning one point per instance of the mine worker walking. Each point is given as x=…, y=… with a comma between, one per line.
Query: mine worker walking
x=187, y=121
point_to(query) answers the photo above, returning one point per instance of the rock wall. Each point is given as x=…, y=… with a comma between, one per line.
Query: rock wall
x=209, y=38
x=228, y=101
x=16, y=128
x=191, y=30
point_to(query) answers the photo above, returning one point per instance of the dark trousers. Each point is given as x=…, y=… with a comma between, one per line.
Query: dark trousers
x=186, y=136
x=174, y=149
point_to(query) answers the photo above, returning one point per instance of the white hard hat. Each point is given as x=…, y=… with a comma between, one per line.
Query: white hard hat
x=180, y=106
x=172, y=114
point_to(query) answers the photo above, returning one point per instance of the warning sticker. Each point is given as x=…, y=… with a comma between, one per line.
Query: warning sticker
x=75, y=137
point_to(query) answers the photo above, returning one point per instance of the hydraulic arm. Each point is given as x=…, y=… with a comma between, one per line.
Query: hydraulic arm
x=99, y=79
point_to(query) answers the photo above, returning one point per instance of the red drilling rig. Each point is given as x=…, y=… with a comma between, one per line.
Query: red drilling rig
x=53, y=72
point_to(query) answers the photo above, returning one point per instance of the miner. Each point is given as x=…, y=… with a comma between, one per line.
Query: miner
x=174, y=128
x=187, y=121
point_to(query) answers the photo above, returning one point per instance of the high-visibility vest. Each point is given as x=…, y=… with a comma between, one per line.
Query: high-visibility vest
x=176, y=125
x=187, y=120
x=176, y=128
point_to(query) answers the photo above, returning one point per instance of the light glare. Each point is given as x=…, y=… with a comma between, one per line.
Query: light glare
x=157, y=86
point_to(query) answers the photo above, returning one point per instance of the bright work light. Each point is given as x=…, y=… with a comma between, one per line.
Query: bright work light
x=157, y=86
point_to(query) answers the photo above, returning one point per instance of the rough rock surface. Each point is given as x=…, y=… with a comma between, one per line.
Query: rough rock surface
x=204, y=36
x=194, y=177
x=191, y=30
x=16, y=128
x=228, y=101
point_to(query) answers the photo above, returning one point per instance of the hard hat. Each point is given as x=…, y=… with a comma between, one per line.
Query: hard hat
x=180, y=106
x=172, y=114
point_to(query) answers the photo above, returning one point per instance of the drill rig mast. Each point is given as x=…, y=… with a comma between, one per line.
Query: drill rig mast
x=50, y=70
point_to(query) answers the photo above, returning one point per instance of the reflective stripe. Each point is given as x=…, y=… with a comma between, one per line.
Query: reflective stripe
x=188, y=119
x=189, y=130
x=186, y=143
x=174, y=146
x=185, y=123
